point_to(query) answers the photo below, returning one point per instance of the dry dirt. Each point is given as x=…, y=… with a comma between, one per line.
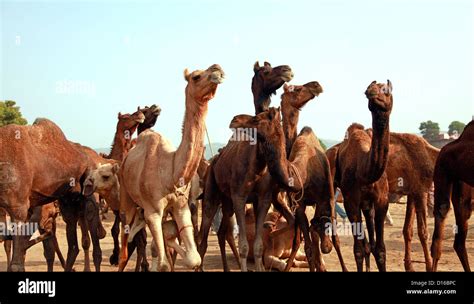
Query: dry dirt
x=212, y=262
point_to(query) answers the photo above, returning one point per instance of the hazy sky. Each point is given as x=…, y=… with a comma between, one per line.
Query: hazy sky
x=123, y=54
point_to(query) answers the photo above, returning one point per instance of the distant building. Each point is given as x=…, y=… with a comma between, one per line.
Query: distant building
x=443, y=139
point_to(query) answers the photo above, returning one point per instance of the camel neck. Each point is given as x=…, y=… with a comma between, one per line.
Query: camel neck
x=261, y=101
x=290, y=117
x=379, y=148
x=189, y=152
x=119, y=146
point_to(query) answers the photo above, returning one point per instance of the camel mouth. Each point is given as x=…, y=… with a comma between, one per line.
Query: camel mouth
x=314, y=87
x=287, y=76
x=89, y=188
x=157, y=111
x=217, y=77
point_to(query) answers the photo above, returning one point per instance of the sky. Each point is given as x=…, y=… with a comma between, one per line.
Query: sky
x=79, y=63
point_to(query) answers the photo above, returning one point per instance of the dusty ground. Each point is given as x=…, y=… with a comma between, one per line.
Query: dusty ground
x=393, y=241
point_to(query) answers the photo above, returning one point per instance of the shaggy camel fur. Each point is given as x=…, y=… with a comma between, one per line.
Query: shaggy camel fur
x=156, y=177
x=453, y=177
x=360, y=174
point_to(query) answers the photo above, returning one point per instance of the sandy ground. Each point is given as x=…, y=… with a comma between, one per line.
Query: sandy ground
x=212, y=262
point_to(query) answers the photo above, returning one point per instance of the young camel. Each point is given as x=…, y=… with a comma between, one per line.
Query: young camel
x=156, y=177
x=360, y=173
x=453, y=179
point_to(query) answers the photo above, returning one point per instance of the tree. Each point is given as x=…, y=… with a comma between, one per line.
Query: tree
x=10, y=114
x=456, y=126
x=429, y=130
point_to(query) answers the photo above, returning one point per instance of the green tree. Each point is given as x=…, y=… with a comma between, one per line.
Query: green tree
x=456, y=126
x=429, y=129
x=10, y=114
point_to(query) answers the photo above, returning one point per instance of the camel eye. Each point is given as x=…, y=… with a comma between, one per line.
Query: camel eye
x=196, y=78
x=106, y=177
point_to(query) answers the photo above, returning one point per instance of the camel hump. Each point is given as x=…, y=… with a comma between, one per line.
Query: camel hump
x=306, y=130
x=47, y=129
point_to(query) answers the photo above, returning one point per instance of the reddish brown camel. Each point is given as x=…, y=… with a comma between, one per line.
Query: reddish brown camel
x=266, y=81
x=453, y=176
x=39, y=165
x=360, y=167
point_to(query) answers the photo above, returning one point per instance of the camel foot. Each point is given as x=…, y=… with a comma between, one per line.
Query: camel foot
x=114, y=259
x=17, y=268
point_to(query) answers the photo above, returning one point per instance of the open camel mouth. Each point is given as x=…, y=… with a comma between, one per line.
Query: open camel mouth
x=287, y=76
x=217, y=77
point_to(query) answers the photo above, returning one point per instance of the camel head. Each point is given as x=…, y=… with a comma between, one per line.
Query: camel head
x=266, y=81
x=380, y=96
x=202, y=85
x=151, y=115
x=298, y=95
x=267, y=124
x=101, y=180
x=130, y=122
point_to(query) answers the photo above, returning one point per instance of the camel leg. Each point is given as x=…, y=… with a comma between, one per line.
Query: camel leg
x=294, y=248
x=223, y=232
x=7, y=245
x=369, y=247
x=94, y=224
x=86, y=244
x=49, y=253
x=182, y=218
x=355, y=218
x=18, y=217
x=262, y=210
x=209, y=210
x=70, y=216
x=317, y=257
x=462, y=211
x=56, y=246
x=154, y=219
x=193, y=207
x=443, y=189
x=239, y=209
x=115, y=231
x=380, y=252
x=141, y=250
x=408, y=231
x=302, y=221
x=421, y=212
x=337, y=246
x=231, y=241
x=127, y=213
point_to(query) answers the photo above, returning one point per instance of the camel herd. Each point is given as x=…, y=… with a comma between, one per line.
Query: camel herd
x=152, y=186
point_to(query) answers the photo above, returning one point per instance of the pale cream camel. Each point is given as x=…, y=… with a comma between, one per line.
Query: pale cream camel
x=155, y=176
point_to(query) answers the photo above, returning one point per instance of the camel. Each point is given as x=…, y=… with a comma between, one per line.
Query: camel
x=45, y=217
x=318, y=174
x=39, y=165
x=126, y=126
x=414, y=152
x=453, y=179
x=266, y=81
x=277, y=241
x=155, y=176
x=360, y=174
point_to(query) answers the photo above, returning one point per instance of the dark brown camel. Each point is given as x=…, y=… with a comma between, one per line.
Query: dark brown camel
x=453, y=176
x=360, y=173
x=266, y=81
x=408, y=151
x=39, y=165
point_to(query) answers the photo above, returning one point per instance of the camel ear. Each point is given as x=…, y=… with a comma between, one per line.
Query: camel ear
x=138, y=109
x=374, y=82
x=119, y=114
x=389, y=83
x=187, y=75
x=256, y=66
x=267, y=64
x=115, y=168
x=285, y=87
